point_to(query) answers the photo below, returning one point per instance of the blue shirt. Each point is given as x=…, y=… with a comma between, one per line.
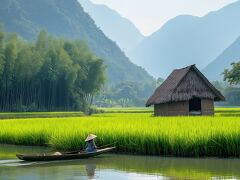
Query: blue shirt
x=91, y=147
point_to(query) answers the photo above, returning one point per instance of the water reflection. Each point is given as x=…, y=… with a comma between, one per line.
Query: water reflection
x=90, y=169
x=116, y=167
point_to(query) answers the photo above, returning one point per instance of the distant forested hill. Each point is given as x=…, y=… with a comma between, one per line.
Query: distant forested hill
x=188, y=40
x=215, y=69
x=66, y=18
x=117, y=28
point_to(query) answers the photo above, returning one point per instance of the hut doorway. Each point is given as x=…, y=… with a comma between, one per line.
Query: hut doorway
x=195, y=107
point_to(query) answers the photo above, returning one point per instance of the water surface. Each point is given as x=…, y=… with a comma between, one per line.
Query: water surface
x=115, y=167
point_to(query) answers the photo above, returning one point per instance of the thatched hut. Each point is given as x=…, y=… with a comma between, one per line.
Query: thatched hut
x=185, y=92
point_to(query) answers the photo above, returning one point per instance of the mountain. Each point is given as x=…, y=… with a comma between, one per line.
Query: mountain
x=66, y=18
x=117, y=28
x=215, y=69
x=188, y=40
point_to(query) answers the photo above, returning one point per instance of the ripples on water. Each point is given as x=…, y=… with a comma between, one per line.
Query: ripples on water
x=115, y=167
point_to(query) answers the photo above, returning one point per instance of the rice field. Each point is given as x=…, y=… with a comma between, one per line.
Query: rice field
x=127, y=110
x=135, y=133
x=19, y=115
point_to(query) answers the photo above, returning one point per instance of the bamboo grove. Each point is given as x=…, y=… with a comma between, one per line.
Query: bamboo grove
x=49, y=74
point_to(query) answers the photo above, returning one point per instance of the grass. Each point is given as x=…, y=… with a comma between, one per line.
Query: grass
x=127, y=110
x=19, y=115
x=222, y=110
x=39, y=115
x=135, y=133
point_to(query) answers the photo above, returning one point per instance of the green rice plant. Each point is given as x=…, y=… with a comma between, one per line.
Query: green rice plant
x=19, y=115
x=135, y=133
x=127, y=110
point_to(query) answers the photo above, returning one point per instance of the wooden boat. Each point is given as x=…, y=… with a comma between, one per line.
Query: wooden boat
x=63, y=156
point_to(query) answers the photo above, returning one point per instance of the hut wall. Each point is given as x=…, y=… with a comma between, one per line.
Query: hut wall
x=182, y=108
x=161, y=110
x=172, y=109
x=207, y=107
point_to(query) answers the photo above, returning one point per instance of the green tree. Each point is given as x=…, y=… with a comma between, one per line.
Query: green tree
x=232, y=95
x=232, y=76
x=10, y=54
x=2, y=62
x=49, y=74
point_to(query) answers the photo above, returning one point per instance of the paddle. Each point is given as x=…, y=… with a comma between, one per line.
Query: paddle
x=107, y=145
x=75, y=152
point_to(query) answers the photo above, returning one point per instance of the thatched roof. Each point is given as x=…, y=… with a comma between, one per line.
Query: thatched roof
x=184, y=84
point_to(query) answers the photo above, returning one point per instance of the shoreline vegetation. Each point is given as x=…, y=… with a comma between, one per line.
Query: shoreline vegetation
x=132, y=133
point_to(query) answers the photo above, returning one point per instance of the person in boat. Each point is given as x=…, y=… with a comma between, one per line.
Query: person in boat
x=90, y=146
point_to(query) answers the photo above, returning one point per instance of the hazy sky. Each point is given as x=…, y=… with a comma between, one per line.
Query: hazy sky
x=150, y=15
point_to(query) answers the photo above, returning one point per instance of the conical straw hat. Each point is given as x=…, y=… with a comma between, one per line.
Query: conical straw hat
x=90, y=137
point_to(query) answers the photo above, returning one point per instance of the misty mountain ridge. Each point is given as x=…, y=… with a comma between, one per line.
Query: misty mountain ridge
x=117, y=28
x=188, y=40
x=215, y=69
x=66, y=18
